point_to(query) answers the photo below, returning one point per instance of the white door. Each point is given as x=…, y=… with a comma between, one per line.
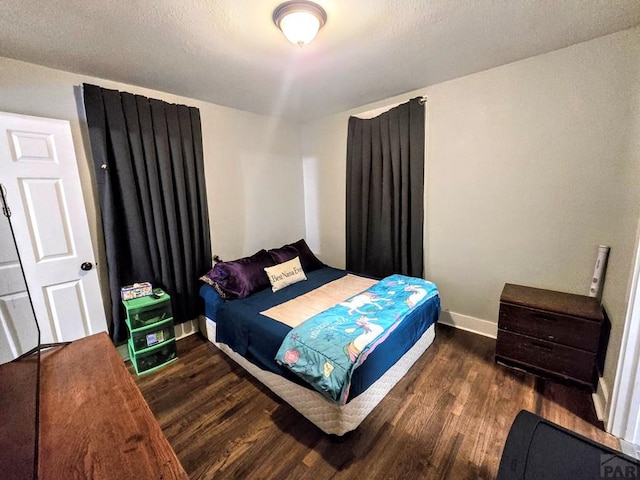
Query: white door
x=624, y=414
x=18, y=331
x=39, y=170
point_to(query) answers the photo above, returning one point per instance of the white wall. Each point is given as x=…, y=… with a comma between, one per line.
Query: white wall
x=530, y=166
x=252, y=162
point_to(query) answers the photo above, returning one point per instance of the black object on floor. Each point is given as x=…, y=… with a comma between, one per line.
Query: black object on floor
x=539, y=449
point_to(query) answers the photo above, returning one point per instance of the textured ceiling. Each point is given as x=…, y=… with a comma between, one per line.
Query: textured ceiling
x=229, y=52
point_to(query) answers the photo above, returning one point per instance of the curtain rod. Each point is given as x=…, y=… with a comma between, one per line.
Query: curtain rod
x=423, y=100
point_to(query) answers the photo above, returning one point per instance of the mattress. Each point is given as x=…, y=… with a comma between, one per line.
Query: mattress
x=330, y=417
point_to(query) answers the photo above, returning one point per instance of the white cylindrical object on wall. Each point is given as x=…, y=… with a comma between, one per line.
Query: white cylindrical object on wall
x=595, y=290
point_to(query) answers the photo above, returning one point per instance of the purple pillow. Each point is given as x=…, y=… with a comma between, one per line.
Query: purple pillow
x=240, y=278
x=308, y=260
x=284, y=254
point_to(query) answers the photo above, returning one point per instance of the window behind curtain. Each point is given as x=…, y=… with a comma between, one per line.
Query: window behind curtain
x=385, y=192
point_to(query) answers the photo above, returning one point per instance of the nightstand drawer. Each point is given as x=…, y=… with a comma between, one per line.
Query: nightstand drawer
x=552, y=357
x=153, y=358
x=144, y=316
x=147, y=337
x=563, y=329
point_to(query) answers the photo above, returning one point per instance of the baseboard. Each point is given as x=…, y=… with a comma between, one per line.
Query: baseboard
x=123, y=351
x=601, y=400
x=181, y=330
x=187, y=328
x=470, y=324
x=630, y=449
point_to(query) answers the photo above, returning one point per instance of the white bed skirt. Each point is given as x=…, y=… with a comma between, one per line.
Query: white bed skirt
x=326, y=415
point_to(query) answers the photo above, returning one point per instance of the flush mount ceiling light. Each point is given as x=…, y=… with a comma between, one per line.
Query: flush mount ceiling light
x=299, y=20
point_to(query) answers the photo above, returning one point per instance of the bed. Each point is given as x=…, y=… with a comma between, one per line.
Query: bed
x=242, y=325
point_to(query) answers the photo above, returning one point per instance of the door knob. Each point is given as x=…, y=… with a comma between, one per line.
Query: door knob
x=86, y=266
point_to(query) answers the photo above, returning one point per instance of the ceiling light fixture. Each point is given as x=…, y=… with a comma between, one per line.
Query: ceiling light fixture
x=299, y=20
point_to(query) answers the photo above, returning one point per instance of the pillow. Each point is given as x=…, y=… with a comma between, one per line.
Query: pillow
x=240, y=278
x=308, y=260
x=283, y=254
x=285, y=274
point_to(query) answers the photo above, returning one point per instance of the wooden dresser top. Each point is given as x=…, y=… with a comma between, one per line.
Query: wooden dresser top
x=548, y=300
x=94, y=422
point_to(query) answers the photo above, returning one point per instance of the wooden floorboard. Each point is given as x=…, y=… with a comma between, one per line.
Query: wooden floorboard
x=448, y=418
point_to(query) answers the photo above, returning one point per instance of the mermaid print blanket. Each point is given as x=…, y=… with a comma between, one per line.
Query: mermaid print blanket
x=327, y=348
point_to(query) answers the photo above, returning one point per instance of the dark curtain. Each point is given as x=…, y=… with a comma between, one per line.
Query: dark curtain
x=385, y=192
x=149, y=168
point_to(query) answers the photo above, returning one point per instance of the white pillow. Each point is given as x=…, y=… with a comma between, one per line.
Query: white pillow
x=285, y=274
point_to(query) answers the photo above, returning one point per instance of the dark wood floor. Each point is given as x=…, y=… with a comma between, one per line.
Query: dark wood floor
x=447, y=419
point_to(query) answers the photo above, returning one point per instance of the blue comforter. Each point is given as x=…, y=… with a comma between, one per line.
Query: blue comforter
x=327, y=348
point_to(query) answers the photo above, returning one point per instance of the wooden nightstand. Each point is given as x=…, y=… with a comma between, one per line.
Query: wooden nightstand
x=554, y=335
